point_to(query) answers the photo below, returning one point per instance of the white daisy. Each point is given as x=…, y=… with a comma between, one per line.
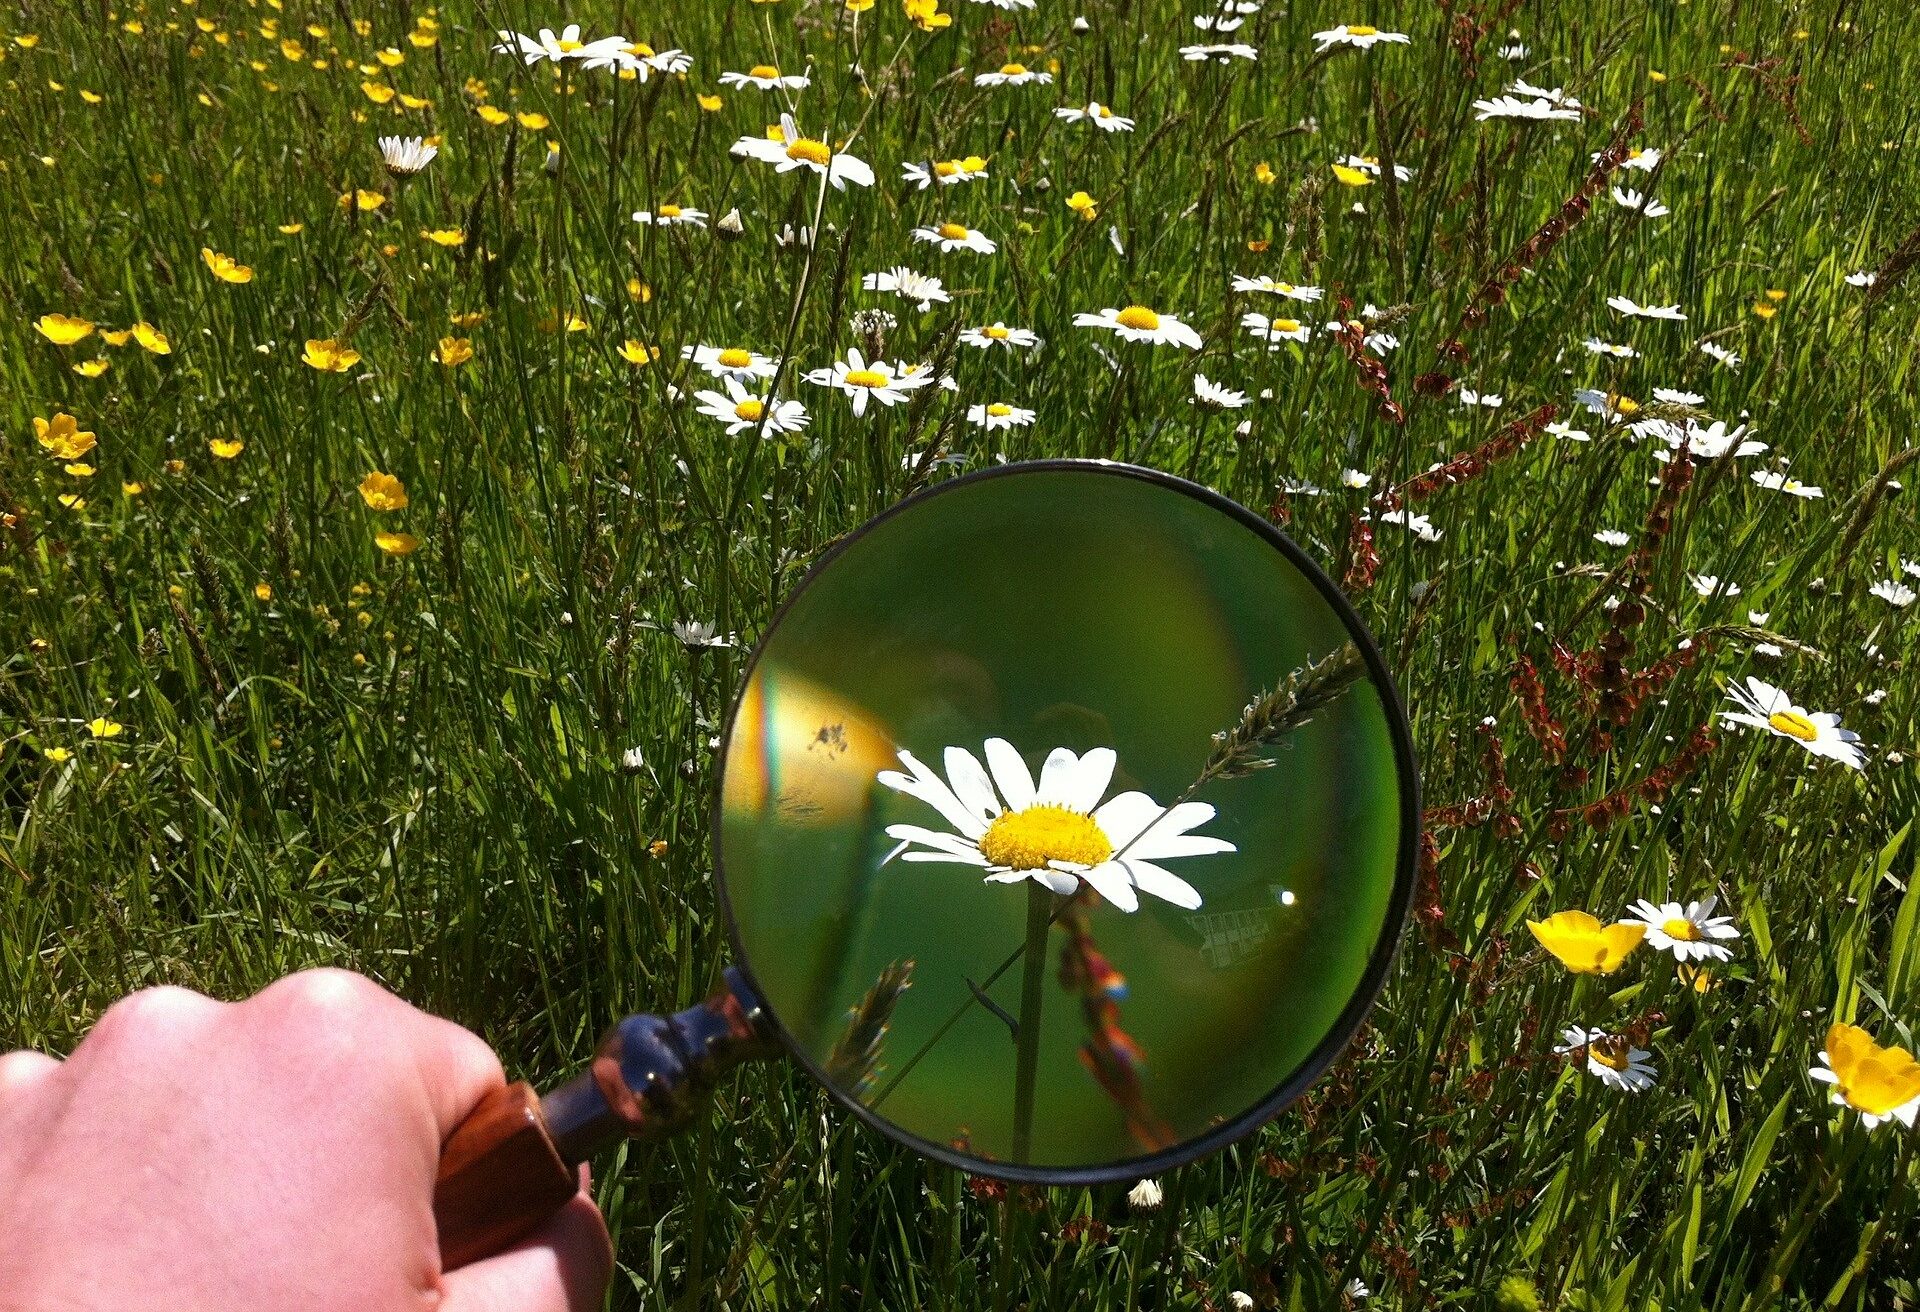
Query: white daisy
x=998, y=414
x=1611, y=537
x=946, y=172
x=916, y=287
x=1208, y=392
x=1777, y=481
x=1674, y=396
x=741, y=410
x=1615, y=349
x=1007, y=4
x=1273, y=286
x=1487, y=400
x=1418, y=525
x=1058, y=832
x=1628, y=198
x=1359, y=35
x=1101, y=116
x=794, y=151
x=1726, y=358
x=1707, y=585
x=1611, y=1059
x=1012, y=75
x=998, y=334
x=672, y=216
x=1893, y=592
x=637, y=59
x=1866, y=278
x=1766, y=707
x=1355, y=478
x=1274, y=331
x=730, y=361
x=1712, y=441
x=1634, y=310
x=956, y=236
x=767, y=78
x=567, y=45
x=1542, y=106
x=1369, y=164
x=406, y=156
x=1224, y=53
x=1639, y=159
x=1569, y=432
x=889, y=384
x=1688, y=932
x=1136, y=323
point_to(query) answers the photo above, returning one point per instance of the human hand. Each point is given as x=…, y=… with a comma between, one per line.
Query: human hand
x=277, y=1153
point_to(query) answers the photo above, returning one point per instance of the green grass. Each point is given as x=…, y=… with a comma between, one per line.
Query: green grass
x=412, y=766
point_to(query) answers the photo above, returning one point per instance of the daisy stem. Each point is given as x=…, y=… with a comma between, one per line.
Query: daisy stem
x=1032, y=983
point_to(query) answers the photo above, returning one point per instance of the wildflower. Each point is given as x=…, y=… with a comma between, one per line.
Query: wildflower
x=1355, y=479
x=956, y=236
x=1083, y=205
x=1145, y=1196
x=57, y=754
x=998, y=334
x=1628, y=198
x=1568, y=431
x=1766, y=707
x=1707, y=585
x=366, y=201
x=767, y=78
x=672, y=216
x=291, y=229
x=1209, y=393
x=916, y=287
x=62, y=330
x=1585, y=946
x=1687, y=932
x=383, y=492
x=62, y=437
x=1136, y=323
x=1640, y=159
x=998, y=414
x=1224, y=53
x=453, y=351
x=730, y=361
x=636, y=352
x=406, y=156
x=946, y=172
x=1726, y=358
x=102, y=727
x=1418, y=525
x=1466, y=396
x=1893, y=592
x=547, y=46
x=926, y=15
x=1634, y=310
x=1880, y=1083
x=1611, y=1059
x=793, y=151
x=225, y=448
x=1864, y=279
x=1370, y=165
x=741, y=410
x=448, y=237
x=1272, y=286
x=1012, y=75
x=862, y=381
x=1614, y=349
x=1362, y=36
x=1101, y=116
x=698, y=635
x=396, y=544
x=151, y=339
x=1352, y=177
x=1057, y=833
x=329, y=356
x=263, y=591
x=1523, y=100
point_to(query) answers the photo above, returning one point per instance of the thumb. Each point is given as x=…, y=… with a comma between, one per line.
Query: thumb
x=563, y=1266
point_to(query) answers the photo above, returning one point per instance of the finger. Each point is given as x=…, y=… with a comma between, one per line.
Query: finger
x=457, y=1068
x=563, y=1266
x=20, y=1071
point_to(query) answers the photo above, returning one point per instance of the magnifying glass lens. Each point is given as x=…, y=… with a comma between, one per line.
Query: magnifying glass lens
x=1014, y=866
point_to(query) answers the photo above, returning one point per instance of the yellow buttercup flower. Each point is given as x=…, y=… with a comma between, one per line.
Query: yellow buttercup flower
x=62, y=437
x=1083, y=205
x=637, y=352
x=709, y=103
x=291, y=229
x=453, y=351
x=379, y=93
x=1352, y=177
x=63, y=330
x=444, y=236
x=1877, y=1082
x=1263, y=174
x=263, y=591
x=226, y=448
x=91, y=368
x=531, y=120
x=151, y=338
x=488, y=114
x=329, y=356
x=225, y=267
x=467, y=318
x=383, y=492
x=396, y=544
x=1583, y=944
x=926, y=15
x=57, y=754
x=102, y=727
x=368, y=201
x=116, y=336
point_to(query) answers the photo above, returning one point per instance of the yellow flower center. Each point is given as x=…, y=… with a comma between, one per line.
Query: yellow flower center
x=1361, y=29
x=1137, y=316
x=1029, y=839
x=1794, y=725
x=867, y=378
x=996, y=332
x=1105, y=112
x=999, y=408
x=669, y=211
x=735, y=358
x=1286, y=325
x=1626, y=405
x=763, y=70
x=641, y=49
x=567, y=47
x=952, y=231
x=1013, y=70
x=1610, y=1051
x=750, y=410
x=809, y=151
x=946, y=168
x=1677, y=927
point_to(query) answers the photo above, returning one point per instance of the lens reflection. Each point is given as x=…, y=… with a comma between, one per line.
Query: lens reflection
x=1062, y=824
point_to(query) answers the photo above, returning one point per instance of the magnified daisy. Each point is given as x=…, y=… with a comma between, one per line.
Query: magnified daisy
x=1634, y=310
x=767, y=78
x=998, y=414
x=1882, y=1084
x=1362, y=36
x=956, y=236
x=1136, y=323
x=792, y=151
x=672, y=216
x=1275, y=331
x=730, y=361
x=1628, y=198
x=889, y=384
x=998, y=334
x=1057, y=832
x=1012, y=75
x=1689, y=932
x=946, y=172
x=1275, y=287
x=1766, y=707
x=1610, y=1058
x=741, y=410
x=917, y=287
x=1101, y=116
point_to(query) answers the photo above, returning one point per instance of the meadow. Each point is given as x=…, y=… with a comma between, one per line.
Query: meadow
x=377, y=579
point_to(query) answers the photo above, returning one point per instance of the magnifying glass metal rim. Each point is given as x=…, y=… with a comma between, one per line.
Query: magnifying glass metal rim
x=1345, y=1026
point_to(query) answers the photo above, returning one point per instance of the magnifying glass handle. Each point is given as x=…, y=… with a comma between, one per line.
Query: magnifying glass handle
x=515, y=1160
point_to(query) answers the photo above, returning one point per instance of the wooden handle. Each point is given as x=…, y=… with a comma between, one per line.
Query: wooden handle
x=501, y=1175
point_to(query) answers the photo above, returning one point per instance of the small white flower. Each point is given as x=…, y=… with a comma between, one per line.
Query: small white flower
x=1525, y=101
x=1145, y=1196
x=1673, y=396
x=767, y=78
x=1466, y=396
x=879, y=381
x=730, y=361
x=1136, y=323
x=1101, y=116
x=1641, y=160
x=1634, y=310
x=1355, y=478
x=672, y=216
x=1275, y=331
x=406, y=156
x=946, y=172
x=794, y=151
x=1727, y=359
x=1611, y=1059
x=1782, y=482
x=698, y=634
x=741, y=410
x=1368, y=164
x=1611, y=537
x=998, y=334
x=1707, y=585
x=956, y=236
x=1210, y=393
x=1569, y=432
x=998, y=414
x=1766, y=707
x=1866, y=278
x=1893, y=592
x=1688, y=932
x=1359, y=35
x=1272, y=286
x=1619, y=352
x=917, y=287
x=1221, y=54
x=1012, y=75
x=1628, y=198
x=1418, y=525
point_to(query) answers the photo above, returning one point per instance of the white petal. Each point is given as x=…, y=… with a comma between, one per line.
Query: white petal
x=1122, y=817
x=1110, y=881
x=1163, y=884
x=1056, y=776
x=1088, y=783
x=970, y=783
x=931, y=789
x=1057, y=881
x=1010, y=774
x=950, y=858
x=1157, y=845
x=932, y=838
x=1187, y=815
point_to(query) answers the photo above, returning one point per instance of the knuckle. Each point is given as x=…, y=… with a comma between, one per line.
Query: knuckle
x=337, y=1000
x=153, y=1012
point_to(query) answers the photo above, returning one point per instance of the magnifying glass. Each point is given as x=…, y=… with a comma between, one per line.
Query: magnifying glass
x=1065, y=830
